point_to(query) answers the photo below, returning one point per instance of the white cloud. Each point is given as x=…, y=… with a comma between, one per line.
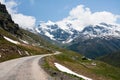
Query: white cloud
x=81, y=16
x=24, y=21
x=2, y=1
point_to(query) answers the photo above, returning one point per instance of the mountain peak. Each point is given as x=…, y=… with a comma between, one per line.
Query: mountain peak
x=50, y=23
x=102, y=30
x=56, y=32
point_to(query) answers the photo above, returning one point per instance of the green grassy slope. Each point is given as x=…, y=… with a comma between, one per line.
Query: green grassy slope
x=75, y=62
x=112, y=59
x=36, y=45
x=9, y=50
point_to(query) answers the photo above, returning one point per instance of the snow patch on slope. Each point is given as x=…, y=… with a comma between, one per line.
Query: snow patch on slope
x=12, y=41
x=65, y=69
x=68, y=41
x=24, y=41
x=49, y=35
x=36, y=29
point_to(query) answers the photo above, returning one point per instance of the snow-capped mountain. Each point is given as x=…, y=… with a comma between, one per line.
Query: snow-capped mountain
x=101, y=30
x=67, y=34
x=56, y=33
x=97, y=40
x=92, y=41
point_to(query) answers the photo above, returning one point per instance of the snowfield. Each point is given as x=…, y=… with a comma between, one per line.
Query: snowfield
x=65, y=69
x=12, y=41
x=25, y=42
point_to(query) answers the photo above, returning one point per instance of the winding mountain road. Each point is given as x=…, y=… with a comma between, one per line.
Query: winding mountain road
x=26, y=68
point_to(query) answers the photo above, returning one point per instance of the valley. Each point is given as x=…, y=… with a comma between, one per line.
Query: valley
x=58, y=50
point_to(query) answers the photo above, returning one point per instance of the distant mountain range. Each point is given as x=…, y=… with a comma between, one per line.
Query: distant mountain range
x=92, y=41
x=56, y=33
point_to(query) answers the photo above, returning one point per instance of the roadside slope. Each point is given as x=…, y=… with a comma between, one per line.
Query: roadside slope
x=93, y=69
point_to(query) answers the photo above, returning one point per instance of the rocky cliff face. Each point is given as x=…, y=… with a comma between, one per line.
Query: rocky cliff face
x=7, y=23
x=3, y=8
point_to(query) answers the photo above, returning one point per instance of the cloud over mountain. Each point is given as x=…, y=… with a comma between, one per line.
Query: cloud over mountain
x=81, y=16
x=24, y=21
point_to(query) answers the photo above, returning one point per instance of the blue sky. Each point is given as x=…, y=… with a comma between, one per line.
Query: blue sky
x=58, y=9
x=28, y=13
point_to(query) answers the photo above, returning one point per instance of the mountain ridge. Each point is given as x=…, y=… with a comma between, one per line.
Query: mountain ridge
x=66, y=35
x=103, y=38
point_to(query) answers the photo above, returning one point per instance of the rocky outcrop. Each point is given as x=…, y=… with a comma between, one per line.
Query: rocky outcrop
x=7, y=23
x=3, y=8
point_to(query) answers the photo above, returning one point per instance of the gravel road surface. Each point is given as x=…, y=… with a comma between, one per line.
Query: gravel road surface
x=26, y=68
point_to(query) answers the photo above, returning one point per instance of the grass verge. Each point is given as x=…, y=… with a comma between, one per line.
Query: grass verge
x=93, y=69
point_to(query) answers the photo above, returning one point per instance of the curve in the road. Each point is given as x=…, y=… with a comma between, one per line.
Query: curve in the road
x=26, y=68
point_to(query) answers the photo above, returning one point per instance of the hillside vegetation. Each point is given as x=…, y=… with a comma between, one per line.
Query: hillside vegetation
x=30, y=43
x=93, y=69
x=33, y=44
x=112, y=59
